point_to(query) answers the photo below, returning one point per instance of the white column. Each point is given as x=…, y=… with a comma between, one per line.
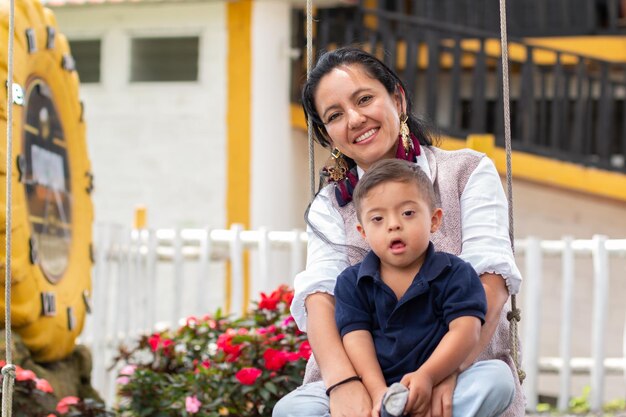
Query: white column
x=275, y=174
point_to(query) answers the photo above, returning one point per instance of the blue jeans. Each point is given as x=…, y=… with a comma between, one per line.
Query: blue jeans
x=485, y=389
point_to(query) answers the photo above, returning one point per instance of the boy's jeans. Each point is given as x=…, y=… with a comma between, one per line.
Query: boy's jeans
x=485, y=389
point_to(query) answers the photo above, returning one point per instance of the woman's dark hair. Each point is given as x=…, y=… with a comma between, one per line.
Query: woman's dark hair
x=376, y=69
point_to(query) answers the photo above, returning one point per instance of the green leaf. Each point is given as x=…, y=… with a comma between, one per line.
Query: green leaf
x=271, y=387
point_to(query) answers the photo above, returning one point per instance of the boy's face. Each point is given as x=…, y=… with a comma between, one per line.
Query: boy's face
x=397, y=222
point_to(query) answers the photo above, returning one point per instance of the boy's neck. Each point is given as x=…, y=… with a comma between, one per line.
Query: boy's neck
x=400, y=279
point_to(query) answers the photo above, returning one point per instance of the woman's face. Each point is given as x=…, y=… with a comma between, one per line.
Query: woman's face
x=360, y=116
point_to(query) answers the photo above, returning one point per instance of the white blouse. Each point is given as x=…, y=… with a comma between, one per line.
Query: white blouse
x=485, y=236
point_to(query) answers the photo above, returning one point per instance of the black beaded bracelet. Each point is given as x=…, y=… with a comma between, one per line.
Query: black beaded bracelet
x=345, y=381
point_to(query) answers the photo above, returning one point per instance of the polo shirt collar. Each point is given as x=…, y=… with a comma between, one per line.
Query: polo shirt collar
x=434, y=264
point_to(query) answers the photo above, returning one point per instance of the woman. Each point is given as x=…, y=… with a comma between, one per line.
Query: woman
x=359, y=108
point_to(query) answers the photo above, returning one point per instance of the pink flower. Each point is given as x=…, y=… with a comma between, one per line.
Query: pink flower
x=248, y=376
x=24, y=374
x=43, y=385
x=64, y=404
x=51, y=415
x=191, y=321
x=128, y=370
x=192, y=404
x=122, y=380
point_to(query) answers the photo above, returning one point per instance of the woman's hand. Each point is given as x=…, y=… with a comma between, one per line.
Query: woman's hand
x=350, y=400
x=377, y=399
x=441, y=401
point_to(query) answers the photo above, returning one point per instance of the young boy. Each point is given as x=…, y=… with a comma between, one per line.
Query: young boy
x=409, y=314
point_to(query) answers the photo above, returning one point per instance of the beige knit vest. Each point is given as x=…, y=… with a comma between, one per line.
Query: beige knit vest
x=449, y=171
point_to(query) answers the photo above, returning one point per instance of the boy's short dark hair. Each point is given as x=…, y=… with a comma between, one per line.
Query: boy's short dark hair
x=393, y=170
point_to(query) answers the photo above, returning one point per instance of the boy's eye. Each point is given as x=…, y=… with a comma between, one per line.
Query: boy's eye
x=377, y=219
x=408, y=213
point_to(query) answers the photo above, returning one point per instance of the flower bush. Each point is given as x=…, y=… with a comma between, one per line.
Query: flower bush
x=34, y=397
x=215, y=365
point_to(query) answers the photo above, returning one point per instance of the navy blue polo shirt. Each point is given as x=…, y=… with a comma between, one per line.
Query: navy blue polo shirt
x=407, y=331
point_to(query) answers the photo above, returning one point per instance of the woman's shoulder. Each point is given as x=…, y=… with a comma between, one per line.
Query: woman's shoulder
x=456, y=153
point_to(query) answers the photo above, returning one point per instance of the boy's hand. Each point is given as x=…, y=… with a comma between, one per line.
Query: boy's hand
x=420, y=387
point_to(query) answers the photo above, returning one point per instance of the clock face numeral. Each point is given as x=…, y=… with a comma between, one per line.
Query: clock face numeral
x=51, y=37
x=87, y=301
x=71, y=319
x=18, y=94
x=30, y=40
x=48, y=304
x=44, y=171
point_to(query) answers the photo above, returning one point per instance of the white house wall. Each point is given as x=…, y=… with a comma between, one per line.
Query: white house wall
x=156, y=144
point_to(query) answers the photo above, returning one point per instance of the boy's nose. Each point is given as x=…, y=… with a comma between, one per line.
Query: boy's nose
x=394, y=225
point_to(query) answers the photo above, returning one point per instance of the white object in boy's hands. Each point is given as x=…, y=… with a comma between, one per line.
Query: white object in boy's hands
x=394, y=400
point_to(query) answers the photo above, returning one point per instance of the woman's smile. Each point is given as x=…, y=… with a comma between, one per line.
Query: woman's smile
x=365, y=136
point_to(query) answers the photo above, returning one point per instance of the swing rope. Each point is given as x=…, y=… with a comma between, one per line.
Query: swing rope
x=8, y=371
x=309, y=65
x=514, y=315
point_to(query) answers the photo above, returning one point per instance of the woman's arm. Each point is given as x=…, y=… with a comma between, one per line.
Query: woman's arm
x=497, y=295
x=487, y=247
x=351, y=399
x=359, y=346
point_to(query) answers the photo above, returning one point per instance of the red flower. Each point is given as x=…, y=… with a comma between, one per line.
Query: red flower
x=287, y=297
x=225, y=342
x=274, y=359
x=168, y=346
x=154, y=341
x=43, y=385
x=248, y=376
x=305, y=350
x=269, y=303
x=64, y=405
x=292, y=356
x=277, y=338
x=24, y=374
x=204, y=364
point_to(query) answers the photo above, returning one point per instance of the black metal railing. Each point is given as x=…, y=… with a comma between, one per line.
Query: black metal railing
x=527, y=18
x=563, y=105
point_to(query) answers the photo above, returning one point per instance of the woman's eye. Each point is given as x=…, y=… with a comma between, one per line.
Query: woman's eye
x=365, y=99
x=332, y=117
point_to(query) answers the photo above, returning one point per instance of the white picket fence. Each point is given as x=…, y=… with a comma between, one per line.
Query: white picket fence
x=146, y=279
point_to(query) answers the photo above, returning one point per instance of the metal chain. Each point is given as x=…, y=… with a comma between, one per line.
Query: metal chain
x=309, y=65
x=514, y=315
x=8, y=371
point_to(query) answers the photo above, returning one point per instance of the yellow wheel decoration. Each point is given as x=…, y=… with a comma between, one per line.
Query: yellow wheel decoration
x=52, y=213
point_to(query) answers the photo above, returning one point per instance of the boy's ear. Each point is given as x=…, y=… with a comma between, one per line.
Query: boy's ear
x=435, y=221
x=361, y=230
